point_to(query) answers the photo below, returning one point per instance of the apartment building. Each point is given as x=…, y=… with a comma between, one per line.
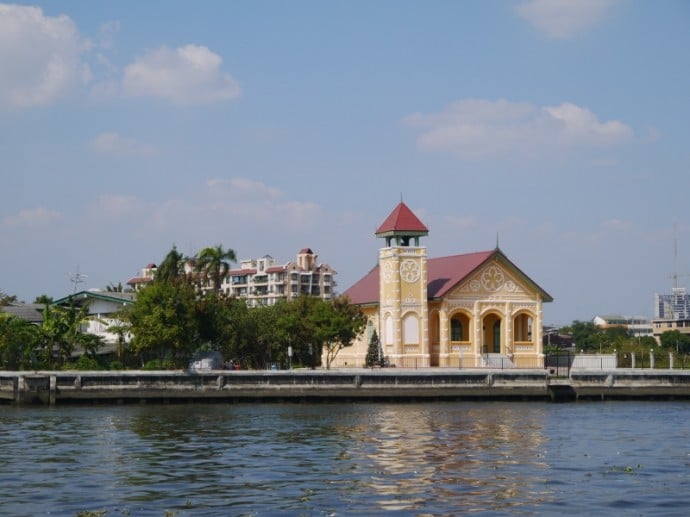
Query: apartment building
x=265, y=282
x=145, y=276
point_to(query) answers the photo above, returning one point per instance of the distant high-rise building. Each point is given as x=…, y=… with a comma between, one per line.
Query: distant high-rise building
x=672, y=312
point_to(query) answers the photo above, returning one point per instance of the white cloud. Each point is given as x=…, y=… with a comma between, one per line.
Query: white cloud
x=563, y=19
x=29, y=218
x=616, y=225
x=476, y=129
x=114, y=144
x=107, y=32
x=233, y=205
x=40, y=56
x=116, y=207
x=460, y=222
x=245, y=186
x=186, y=75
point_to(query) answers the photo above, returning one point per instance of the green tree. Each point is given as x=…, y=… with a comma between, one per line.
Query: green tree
x=163, y=323
x=18, y=339
x=256, y=340
x=585, y=335
x=214, y=263
x=340, y=328
x=217, y=321
x=675, y=340
x=171, y=270
x=61, y=334
x=295, y=329
x=44, y=299
x=373, y=357
x=310, y=325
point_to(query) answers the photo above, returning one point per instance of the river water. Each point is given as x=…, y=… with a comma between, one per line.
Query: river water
x=438, y=458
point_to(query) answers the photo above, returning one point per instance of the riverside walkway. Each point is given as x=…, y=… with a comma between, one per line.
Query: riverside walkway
x=394, y=384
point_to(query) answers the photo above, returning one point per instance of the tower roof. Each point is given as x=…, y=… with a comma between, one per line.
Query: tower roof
x=402, y=220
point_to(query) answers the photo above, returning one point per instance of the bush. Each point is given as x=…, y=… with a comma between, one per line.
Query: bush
x=84, y=363
x=159, y=364
x=116, y=365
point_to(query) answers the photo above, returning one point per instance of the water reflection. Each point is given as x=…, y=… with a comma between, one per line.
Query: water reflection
x=337, y=459
x=439, y=455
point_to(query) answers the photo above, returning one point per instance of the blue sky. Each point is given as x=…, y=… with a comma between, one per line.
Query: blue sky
x=561, y=127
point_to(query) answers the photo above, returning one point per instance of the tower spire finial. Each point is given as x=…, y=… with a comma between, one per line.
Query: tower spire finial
x=497, y=247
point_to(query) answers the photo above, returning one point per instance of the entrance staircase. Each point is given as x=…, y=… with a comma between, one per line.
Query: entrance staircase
x=496, y=361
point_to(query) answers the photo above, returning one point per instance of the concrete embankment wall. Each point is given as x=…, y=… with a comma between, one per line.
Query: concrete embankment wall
x=628, y=383
x=392, y=384
x=62, y=387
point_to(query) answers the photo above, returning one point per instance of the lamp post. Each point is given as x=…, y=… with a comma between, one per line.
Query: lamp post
x=289, y=357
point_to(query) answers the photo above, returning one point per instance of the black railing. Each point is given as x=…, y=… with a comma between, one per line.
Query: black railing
x=559, y=363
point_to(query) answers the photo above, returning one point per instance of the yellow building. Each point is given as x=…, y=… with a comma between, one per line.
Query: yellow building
x=471, y=310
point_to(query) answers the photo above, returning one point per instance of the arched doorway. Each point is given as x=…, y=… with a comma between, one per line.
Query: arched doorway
x=492, y=334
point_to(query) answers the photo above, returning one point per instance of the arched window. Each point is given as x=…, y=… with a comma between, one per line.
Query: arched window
x=522, y=328
x=459, y=327
x=455, y=330
x=411, y=330
x=389, y=330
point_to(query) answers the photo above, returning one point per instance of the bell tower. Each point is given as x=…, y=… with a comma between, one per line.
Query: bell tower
x=403, y=305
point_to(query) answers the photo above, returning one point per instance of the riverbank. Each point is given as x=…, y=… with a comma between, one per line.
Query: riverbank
x=62, y=387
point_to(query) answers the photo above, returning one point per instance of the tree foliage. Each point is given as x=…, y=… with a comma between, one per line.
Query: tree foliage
x=675, y=340
x=373, y=352
x=172, y=319
x=163, y=323
x=346, y=323
x=171, y=270
x=44, y=299
x=585, y=335
x=61, y=334
x=214, y=263
x=18, y=339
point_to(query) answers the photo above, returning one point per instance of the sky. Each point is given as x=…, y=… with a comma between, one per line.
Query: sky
x=557, y=129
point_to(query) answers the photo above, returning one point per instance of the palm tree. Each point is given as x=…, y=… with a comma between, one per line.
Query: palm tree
x=215, y=263
x=172, y=267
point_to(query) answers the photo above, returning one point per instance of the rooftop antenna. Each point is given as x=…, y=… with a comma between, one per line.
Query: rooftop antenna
x=674, y=276
x=77, y=278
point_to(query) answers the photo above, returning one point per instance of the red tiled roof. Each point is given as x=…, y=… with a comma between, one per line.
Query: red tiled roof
x=242, y=272
x=139, y=280
x=365, y=290
x=306, y=250
x=275, y=269
x=443, y=274
x=401, y=219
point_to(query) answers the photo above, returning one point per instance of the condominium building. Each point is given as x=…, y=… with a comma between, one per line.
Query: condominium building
x=264, y=282
x=145, y=276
